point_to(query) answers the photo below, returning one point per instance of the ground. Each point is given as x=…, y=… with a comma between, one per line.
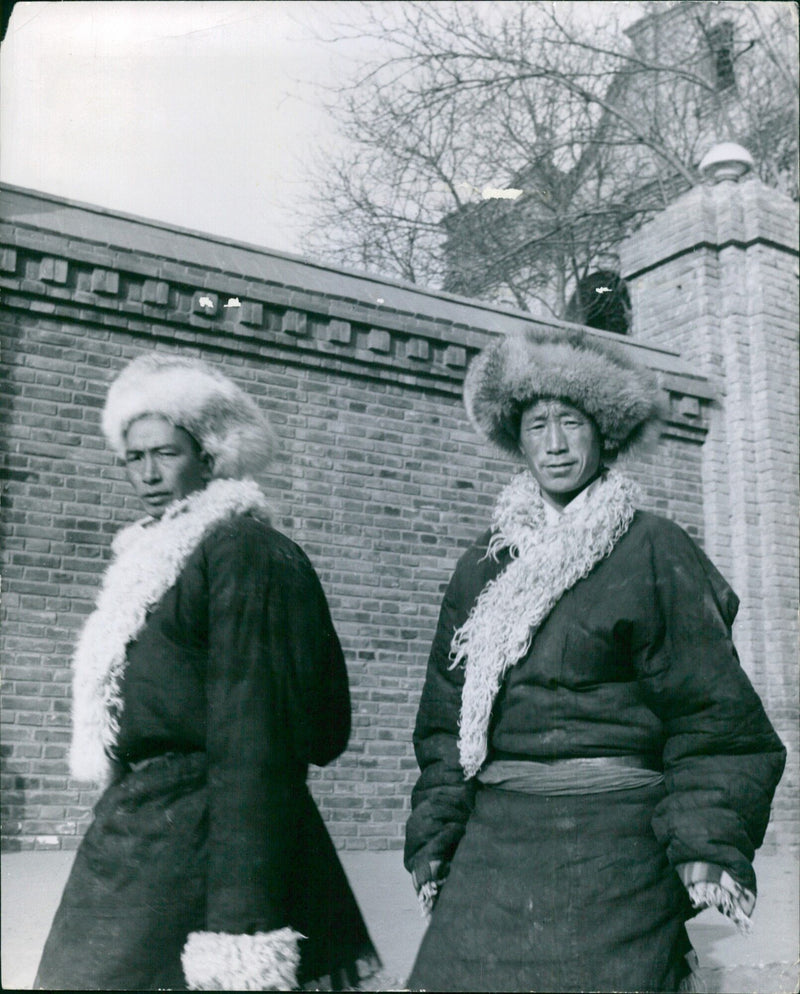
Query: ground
x=765, y=962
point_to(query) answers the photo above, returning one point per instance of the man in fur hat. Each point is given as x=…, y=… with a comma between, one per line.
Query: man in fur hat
x=595, y=765
x=206, y=680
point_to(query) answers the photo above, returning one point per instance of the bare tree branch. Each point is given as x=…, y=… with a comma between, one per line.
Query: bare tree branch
x=596, y=126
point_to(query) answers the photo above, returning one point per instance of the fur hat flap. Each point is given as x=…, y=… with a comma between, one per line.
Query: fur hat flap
x=223, y=420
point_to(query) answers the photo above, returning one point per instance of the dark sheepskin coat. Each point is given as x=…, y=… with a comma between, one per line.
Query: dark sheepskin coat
x=635, y=659
x=233, y=687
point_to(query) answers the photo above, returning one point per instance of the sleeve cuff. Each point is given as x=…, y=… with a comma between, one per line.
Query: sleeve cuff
x=220, y=961
x=428, y=877
x=710, y=886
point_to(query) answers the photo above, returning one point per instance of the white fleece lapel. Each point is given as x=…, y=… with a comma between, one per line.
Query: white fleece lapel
x=547, y=561
x=148, y=558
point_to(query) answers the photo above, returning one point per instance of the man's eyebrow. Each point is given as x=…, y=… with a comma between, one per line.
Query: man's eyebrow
x=155, y=448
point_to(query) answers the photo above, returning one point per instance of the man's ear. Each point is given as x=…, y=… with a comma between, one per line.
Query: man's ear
x=208, y=465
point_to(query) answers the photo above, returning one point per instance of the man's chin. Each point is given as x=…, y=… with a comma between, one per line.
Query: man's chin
x=156, y=508
x=562, y=485
x=563, y=490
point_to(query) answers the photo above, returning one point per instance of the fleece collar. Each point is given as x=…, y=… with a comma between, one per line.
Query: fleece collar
x=548, y=558
x=148, y=559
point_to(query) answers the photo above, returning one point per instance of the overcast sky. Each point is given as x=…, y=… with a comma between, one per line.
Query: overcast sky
x=195, y=113
x=201, y=113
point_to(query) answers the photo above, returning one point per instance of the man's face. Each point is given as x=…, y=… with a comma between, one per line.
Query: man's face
x=164, y=463
x=562, y=448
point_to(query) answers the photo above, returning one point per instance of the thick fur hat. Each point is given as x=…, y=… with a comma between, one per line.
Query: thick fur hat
x=221, y=418
x=568, y=364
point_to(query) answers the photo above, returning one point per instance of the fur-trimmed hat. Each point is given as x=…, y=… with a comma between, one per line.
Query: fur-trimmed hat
x=192, y=395
x=594, y=375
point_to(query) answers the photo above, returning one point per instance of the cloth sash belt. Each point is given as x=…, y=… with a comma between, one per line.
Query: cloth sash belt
x=589, y=775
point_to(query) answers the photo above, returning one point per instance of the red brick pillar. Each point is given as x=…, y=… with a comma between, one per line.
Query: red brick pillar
x=715, y=277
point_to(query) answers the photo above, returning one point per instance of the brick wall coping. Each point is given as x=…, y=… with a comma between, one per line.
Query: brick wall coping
x=714, y=218
x=714, y=247
x=123, y=243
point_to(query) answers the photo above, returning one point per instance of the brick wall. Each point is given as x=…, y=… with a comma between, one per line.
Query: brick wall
x=715, y=276
x=381, y=479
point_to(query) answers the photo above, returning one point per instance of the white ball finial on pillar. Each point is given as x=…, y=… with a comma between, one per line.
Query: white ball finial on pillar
x=725, y=161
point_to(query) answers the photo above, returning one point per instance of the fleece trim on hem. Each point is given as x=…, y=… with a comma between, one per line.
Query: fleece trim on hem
x=221, y=961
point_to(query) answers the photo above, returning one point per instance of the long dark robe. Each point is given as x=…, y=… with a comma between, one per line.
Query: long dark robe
x=634, y=660
x=235, y=684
